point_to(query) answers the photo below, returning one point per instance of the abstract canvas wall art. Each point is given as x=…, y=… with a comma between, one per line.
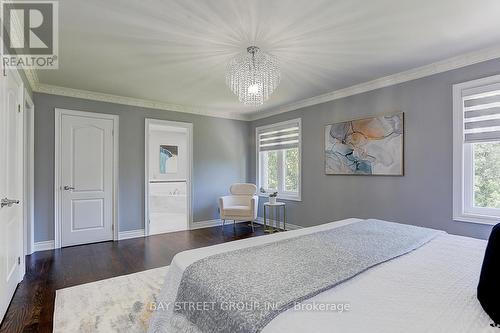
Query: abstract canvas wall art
x=168, y=159
x=369, y=146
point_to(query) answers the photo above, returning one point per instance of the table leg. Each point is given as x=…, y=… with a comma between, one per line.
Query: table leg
x=284, y=218
x=272, y=216
x=277, y=218
x=265, y=219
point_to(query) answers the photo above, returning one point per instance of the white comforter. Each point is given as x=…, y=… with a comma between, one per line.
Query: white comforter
x=432, y=289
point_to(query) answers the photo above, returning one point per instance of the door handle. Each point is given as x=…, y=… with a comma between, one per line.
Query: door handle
x=8, y=202
x=67, y=188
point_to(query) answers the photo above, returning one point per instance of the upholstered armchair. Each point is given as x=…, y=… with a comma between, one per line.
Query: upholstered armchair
x=241, y=205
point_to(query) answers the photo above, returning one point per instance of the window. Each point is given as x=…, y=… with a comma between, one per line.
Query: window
x=476, y=157
x=278, y=159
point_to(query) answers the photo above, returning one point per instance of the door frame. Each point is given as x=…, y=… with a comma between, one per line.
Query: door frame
x=189, y=180
x=29, y=174
x=57, y=169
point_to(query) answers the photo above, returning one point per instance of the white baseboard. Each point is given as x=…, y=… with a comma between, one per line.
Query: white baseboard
x=44, y=246
x=49, y=245
x=259, y=220
x=205, y=224
x=289, y=226
x=130, y=234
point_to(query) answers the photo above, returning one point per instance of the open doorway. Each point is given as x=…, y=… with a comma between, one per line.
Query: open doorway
x=168, y=165
x=29, y=174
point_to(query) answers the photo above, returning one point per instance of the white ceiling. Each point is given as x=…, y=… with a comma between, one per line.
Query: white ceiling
x=175, y=51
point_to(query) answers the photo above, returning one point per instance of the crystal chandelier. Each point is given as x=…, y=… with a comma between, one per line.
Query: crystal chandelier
x=253, y=76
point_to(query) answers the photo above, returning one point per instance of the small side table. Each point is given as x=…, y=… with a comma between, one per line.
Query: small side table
x=276, y=215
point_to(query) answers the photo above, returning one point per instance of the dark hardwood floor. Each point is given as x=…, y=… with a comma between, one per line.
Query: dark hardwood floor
x=32, y=307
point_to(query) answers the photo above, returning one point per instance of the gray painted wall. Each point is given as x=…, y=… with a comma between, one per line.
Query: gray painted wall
x=221, y=157
x=224, y=152
x=424, y=195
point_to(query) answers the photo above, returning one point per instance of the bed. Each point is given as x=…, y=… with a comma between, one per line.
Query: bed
x=430, y=289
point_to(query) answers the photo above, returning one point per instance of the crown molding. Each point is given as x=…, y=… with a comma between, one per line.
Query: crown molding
x=390, y=80
x=143, y=103
x=32, y=76
x=386, y=81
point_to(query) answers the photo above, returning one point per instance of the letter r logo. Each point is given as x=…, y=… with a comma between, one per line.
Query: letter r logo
x=28, y=27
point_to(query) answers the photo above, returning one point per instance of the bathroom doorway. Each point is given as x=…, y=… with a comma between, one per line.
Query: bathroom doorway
x=168, y=168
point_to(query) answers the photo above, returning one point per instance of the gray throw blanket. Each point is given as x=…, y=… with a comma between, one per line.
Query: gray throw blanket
x=243, y=290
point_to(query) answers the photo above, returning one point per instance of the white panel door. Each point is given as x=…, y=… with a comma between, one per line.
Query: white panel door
x=86, y=184
x=11, y=185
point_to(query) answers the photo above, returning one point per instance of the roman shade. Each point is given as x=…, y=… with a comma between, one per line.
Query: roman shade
x=283, y=136
x=482, y=116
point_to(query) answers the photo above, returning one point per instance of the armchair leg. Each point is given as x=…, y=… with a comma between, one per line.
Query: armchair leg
x=251, y=223
x=223, y=222
x=234, y=224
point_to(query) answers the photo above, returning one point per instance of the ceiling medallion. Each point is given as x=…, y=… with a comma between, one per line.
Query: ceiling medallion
x=253, y=76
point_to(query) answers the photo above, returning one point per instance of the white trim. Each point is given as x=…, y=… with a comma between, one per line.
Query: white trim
x=29, y=173
x=110, y=98
x=189, y=180
x=461, y=170
x=258, y=220
x=458, y=116
x=32, y=76
x=442, y=66
x=289, y=226
x=57, y=172
x=146, y=176
x=206, y=224
x=281, y=195
x=44, y=246
x=478, y=219
x=129, y=234
x=218, y=222
x=116, y=173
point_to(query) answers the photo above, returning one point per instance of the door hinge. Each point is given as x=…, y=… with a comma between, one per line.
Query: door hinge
x=19, y=108
x=19, y=260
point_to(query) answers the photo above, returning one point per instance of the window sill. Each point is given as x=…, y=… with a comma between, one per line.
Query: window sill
x=282, y=197
x=478, y=219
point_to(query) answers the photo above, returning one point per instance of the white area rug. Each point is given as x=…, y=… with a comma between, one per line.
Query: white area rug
x=119, y=304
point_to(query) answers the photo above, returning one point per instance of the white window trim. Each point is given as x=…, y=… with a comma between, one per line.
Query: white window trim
x=281, y=195
x=462, y=208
